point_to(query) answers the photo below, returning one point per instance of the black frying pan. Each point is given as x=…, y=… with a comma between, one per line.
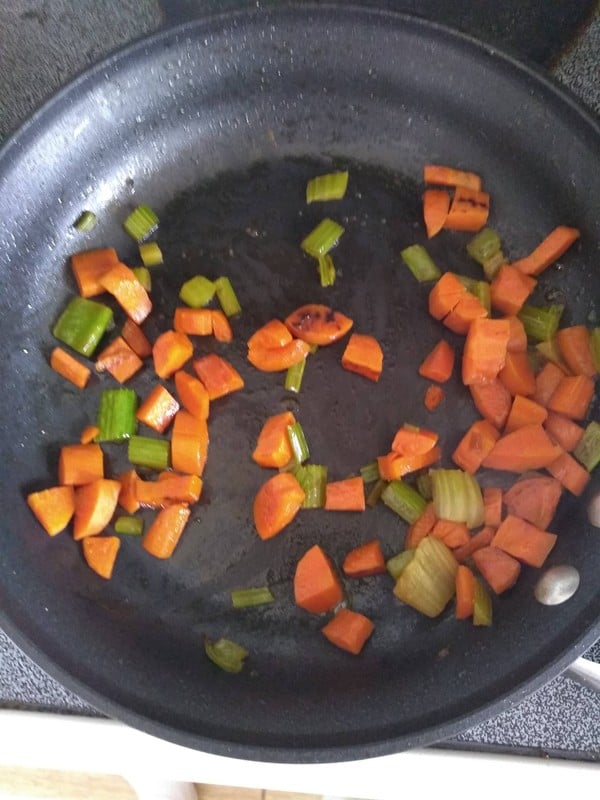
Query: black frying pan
x=218, y=125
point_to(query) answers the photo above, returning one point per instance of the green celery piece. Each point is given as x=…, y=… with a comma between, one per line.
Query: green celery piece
x=82, y=324
x=482, y=605
x=370, y=472
x=404, y=500
x=327, y=273
x=428, y=581
x=313, y=480
x=457, y=497
x=588, y=449
x=247, y=598
x=116, y=415
x=541, y=322
x=197, y=292
x=484, y=245
x=492, y=265
x=322, y=238
x=327, y=187
x=145, y=451
x=86, y=221
x=227, y=655
x=132, y=526
x=550, y=351
x=420, y=263
x=374, y=495
x=143, y=276
x=595, y=347
x=483, y=293
x=423, y=483
x=396, y=565
x=294, y=375
x=227, y=297
x=141, y=223
x=151, y=254
x=298, y=442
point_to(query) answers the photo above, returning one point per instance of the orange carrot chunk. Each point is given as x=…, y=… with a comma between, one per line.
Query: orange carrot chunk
x=575, y=348
x=218, y=376
x=346, y=495
x=445, y=294
x=527, y=448
x=493, y=401
x=573, y=396
x=163, y=535
x=192, y=394
x=465, y=592
x=534, y=499
x=189, y=444
x=220, y=326
x=452, y=534
x=272, y=334
x=517, y=375
x=88, y=434
x=170, y=352
x=563, y=431
x=276, y=504
x=517, y=340
x=53, y=507
x=421, y=528
x=317, y=587
x=273, y=447
x=128, y=492
x=410, y=440
x=552, y=248
x=69, y=368
x=448, y=176
x=168, y=489
x=510, y=289
x=88, y=267
x=485, y=350
x=193, y=321
x=492, y=504
x=363, y=355
x=348, y=630
x=436, y=204
x=129, y=293
x=79, y=464
x=278, y=359
x=476, y=444
x=469, y=210
x=136, y=338
x=119, y=360
x=525, y=411
x=439, y=363
x=570, y=473
x=394, y=466
x=481, y=539
x=95, y=503
x=365, y=560
x=100, y=553
x=499, y=568
x=464, y=312
x=158, y=409
x=524, y=541
x=546, y=382
x=317, y=324
x=433, y=397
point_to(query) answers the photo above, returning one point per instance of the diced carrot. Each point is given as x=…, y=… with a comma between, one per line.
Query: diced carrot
x=475, y=445
x=469, y=210
x=192, y=394
x=464, y=312
x=278, y=359
x=273, y=447
x=170, y=352
x=276, y=504
x=573, y=396
x=445, y=294
x=128, y=492
x=527, y=448
x=272, y=334
x=433, y=397
x=218, y=376
x=510, y=289
x=136, y=338
x=524, y=541
x=365, y=560
x=88, y=434
x=346, y=495
x=168, y=489
x=452, y=534
x=189, y=444
x=575, y=348
x=119, y=360
x=348, y=630
x=436, y=204
x=499, y=568
x=554, y=245
x=525, y=411
x=410, y=440
x=158, y=409
x=546, y=382
x=421, y=528
x=439, y=363
x=363, y=355
x=534, y=499
x=69, y=368
x=79, y=464
x=89, y=266
x=163, y=535
x=121, y=282
x=465, y=592
x=492, y=504
x=317, y=324
x=220, y=326
x=317, y=587
x=95, y=504
x=517, y=375
x=53, y=507
x=493, y=401
x=485, y=350
x=563, y=431
x=481, y=539
x=448, y=176
x=193, y=321
x=517, y=340
x=100, y=553
x=394, y=466
x=570, y=473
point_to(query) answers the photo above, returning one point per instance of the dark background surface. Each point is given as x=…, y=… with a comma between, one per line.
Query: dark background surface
x=43, y=44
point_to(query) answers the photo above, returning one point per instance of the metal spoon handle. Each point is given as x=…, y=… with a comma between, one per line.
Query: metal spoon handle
x=585, y=672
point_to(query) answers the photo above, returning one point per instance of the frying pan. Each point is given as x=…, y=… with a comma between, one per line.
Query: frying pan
x=217, y=125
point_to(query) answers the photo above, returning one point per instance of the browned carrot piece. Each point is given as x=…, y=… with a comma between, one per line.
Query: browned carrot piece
x=433, y=397
x=95, y=504
x=136, y=338
x=193, y=321
x=546, y=382
x=534, y=499
x=485, y=350
x=100, y=553
x=554, y=245
x=68, y=367
x=517, y=375
x=492, y=504
x=469, y=210
x=510, y=289
x=218, y=376
x=448, y=176
x=161, y=538
x=464, y=312
x=317, y=587
x=517, y=340
x=220, y=326
x=499, y=568
x=317, y=324
x=436, y=204
x=278, y=359
x=170, y=352
x=525, y=411
x=573, y=396
x=119, y=360
x=273, y=447
x=272, y=334
x=445, y=294
x=192, y=394
x=563, y=431
x=439, y=363
x=363, y=355
x=452, y=534
x=527, y=448
x=89, y=266
x=574, y=346
x=493, y=401
x=79, y=464
x=412, y=441
x=465, y=592
x=158, y=409
x=88, y=434
x=365, y=560
x=481, y=539
x=53, y=507
x=129, y=293
x=394, y=466
x=475, y=445
x=524, y=541
x=128, y=492
x=276, y=504
x=168, y=489
x=570, y=473
x=421, y=528
x=346, y=495
x=189, y=444
x=348, y=630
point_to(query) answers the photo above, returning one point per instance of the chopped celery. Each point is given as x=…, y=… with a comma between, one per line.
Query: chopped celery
x=227, y=297
x=423, y=483
x=467, y=282
x=151, y=254
x=549, y=350
x=541, y=322
x=327, y=187
x=246, y=598
x=404, y=500
x=588, y=449
x=86, y=221
x=482, y=292
x=133, y=526
x=226, y=654
x=374, y=495
x=595, y=347
x=420, y=263
x=484, y=245
x=294, y=375
x=397, y=564
x=457, y=497
x=320, y=240
x=326, y=270
x=116, y=415
x=482, y=605
x=197, y=292
x=370, y=472
x=298, y=443
x=82, y=324
x=145, y=451
x=492, y=265
x=143, y=276
x=427, y=582
x=141, y=223
x=313, y=480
